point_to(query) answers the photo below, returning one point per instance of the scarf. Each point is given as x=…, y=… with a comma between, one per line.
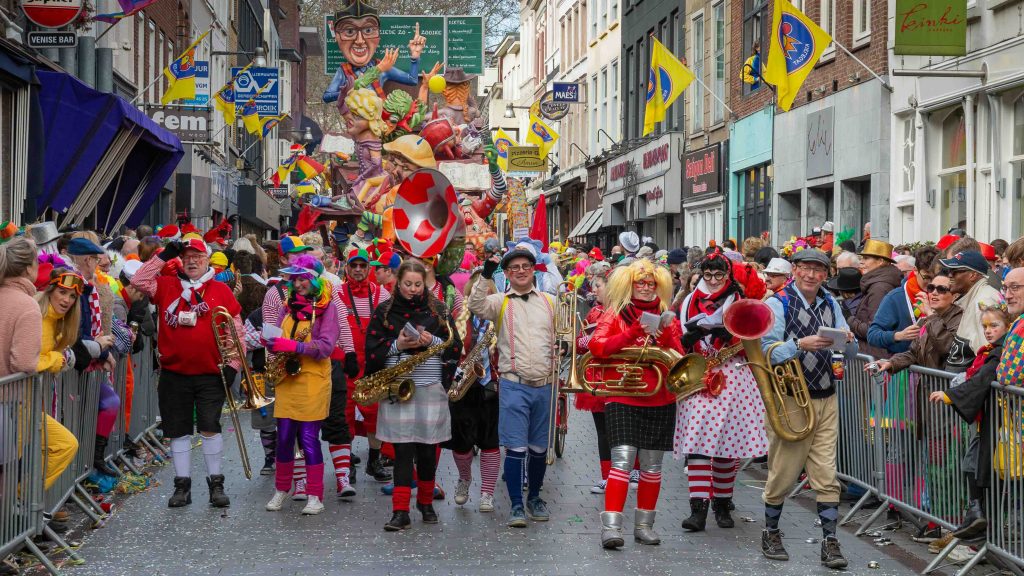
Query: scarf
x=911, y=288
x=979, y=359
x=304, y=308
x=189, y=295
x=702, y=302
x=388, y=321
x=358, y=289
x=95, y=311
x=632, y=312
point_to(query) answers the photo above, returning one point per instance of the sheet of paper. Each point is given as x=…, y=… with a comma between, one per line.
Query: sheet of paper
x=650, y=322
x=838, y=337
x=271, y=331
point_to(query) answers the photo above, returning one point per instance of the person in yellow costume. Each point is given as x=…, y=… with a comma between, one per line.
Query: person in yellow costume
x=61, y=315
x=308, y=333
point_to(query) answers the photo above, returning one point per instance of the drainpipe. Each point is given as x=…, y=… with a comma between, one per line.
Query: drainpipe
x=105, y=44
x=969, y=128
x=922, y=179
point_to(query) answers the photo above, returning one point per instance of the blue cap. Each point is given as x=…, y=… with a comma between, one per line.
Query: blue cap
x=969, y=260
x=83, y=247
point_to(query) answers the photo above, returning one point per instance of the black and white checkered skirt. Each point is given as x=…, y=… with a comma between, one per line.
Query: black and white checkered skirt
x=646, y=427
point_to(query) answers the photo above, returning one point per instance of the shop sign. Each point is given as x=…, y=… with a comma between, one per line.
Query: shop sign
x=551, y=108
x=51, y=13
x=566, y=92
x=526, y=159
x=820, y=126
x=38, y=39
x=653, y=192
x=702, y=171
x=188, y=124
x=931, y=27
x=653, y=159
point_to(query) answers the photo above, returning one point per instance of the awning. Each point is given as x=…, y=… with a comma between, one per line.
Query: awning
x=595, y=224
x=102, y=154
x=584, y=224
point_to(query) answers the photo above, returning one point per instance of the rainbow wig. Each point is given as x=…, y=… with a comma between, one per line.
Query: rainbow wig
x=619, y=292
x=314, y=275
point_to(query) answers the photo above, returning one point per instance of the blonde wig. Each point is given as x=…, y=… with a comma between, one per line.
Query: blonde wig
x=366, y=104
x=619, y=292
x=67, y=327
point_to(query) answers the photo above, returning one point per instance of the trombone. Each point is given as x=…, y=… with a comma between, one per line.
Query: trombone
x=565, y=330
x=230, y=347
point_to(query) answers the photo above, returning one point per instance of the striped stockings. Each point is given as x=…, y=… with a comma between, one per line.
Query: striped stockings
x=341, y=456
x=490, y=462
x=616, y=489
x=711, y=476
x=723, y=476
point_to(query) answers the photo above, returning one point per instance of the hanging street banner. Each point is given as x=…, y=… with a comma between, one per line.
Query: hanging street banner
x=518, y=213
x=566, y=92
x=202, y=98
x=931, y=27
x=264, y=80
x=457, y=41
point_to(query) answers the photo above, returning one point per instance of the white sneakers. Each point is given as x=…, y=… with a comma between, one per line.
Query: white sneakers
x=599, y=487
x=313, y=506
x=486, y=502
x=462, y=492
x=300, y=490
x=277, y=501
x=634, y=479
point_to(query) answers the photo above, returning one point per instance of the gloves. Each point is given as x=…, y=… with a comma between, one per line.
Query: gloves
x=721, y=333
x=285, y=346
x=491, y=153
x=229, y=374
x=490, y=267
x=351, y=365
x=171, y=251
x=692, y=336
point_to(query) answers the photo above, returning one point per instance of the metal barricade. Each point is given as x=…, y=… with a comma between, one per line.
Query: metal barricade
x=857, y=461
x=22, y=462
x=145, y=406
x=115, y=447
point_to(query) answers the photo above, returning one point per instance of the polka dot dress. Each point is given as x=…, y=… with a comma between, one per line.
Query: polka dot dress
x=730, y=425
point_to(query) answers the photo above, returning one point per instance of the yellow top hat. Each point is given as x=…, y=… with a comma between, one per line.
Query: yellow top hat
x=878, y=249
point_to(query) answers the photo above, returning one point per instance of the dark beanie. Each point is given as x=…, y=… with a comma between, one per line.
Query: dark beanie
x=677, y=256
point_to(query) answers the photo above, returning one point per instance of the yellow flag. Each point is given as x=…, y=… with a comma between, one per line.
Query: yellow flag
x=666, y=80
x=796, y=45
x=181, y=74
x=502, y=142
x=541, y=135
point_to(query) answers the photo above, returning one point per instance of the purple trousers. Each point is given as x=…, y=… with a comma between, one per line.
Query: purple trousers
x=308, y=436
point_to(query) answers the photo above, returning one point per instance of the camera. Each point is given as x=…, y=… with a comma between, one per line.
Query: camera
x=187, y=318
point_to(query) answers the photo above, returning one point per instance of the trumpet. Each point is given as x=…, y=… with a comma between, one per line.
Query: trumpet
x=230, y=347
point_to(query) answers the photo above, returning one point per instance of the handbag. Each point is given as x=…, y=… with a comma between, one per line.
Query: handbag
x=1009, y=459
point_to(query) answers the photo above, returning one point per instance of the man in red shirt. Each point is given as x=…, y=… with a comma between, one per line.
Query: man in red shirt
x=190, y=363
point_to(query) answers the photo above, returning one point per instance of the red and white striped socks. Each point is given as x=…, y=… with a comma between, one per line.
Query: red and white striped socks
x=490, y=463
x=299, y=474
x=698, y=473
x=464, y=462
x=723, y=476
x=341, y=456
x=647, y=493
x=616, y=489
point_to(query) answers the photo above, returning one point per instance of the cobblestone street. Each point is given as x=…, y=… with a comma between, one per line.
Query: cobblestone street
x=146, y=537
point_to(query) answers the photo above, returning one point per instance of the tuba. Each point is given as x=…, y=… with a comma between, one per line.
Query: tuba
x=391, y=383
x=749, y=320
x=230, y=347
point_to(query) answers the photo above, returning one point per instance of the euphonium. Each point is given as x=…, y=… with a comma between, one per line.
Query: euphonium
x=472, y=366
x=749, y=320
x=391, y=383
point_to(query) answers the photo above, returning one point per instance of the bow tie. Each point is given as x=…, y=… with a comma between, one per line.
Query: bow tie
x=523, y=297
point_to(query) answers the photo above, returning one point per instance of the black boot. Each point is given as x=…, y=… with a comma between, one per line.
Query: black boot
x=218, y=499
x=429, y=515
x=98, y=463
x=374, y=469
x=974, y=523
x=722, y=516
x=182, y=492
x=269, y=440
x=399, y=521
x=698, y=515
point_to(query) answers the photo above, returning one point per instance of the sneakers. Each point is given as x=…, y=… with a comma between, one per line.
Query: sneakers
x=268, y=466
x=517, y=517
x=771, y=545
x=438, y=492
x=634, y=479
x=486, y=502
x=345, y=490
x=831, y=555
x=462, y=492
x=927, y=535
x=939, y=545
x=599, y=487
x=313, y=506
x=277, y=502
x=300, y=490
x=537, y=510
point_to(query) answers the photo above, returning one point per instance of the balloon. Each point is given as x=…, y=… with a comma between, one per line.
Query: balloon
x=437, y=84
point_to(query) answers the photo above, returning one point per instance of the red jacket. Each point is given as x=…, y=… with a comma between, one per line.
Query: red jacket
x=613, y=334
x=588, y=402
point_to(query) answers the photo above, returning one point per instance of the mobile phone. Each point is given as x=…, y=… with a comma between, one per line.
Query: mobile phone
x=410, y=331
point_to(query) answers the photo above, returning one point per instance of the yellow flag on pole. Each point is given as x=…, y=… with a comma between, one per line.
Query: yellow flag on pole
x=541, y=135
x=795, y=46
x=181, y=74
x=666, y=80
x=502, y=142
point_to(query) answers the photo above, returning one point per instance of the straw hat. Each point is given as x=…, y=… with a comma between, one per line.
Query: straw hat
x=878, y=249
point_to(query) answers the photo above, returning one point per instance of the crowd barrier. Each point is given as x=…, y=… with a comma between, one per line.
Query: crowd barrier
x=71, y=398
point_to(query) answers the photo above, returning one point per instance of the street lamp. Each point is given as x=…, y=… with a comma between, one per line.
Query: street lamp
x=307, y=134
x=510, y=110
x=258, y=56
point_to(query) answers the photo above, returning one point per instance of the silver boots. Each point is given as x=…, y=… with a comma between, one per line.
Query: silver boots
x=643, y=527
x=611, y=530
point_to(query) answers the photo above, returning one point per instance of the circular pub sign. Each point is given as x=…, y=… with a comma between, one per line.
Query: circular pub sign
x=51, y=13
x=552, y=110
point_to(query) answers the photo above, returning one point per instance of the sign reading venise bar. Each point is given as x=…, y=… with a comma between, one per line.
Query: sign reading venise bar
x=931, y=27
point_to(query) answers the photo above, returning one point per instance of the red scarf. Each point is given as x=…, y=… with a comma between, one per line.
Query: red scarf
x=359, y=289
x=631, y=312
x=709, y=304
x=979, y=360
x=912, y=288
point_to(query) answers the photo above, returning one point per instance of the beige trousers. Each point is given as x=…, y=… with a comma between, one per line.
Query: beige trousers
x=816, y=454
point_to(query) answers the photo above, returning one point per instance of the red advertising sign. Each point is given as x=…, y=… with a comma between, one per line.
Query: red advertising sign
x=701, y=172
x=51, y=13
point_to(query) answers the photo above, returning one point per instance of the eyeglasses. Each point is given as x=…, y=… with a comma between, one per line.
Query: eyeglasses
x=350, y=32
x=1013, y=288
x=193, y=256
x=357, y=265
x=812, y=268
x=649, y=284
x=937, y=289
x=955, y=271
x=69, y=281
x=520, y=268
x=714, y=276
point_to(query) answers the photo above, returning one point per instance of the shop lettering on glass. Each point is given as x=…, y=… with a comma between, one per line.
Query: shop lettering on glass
x=819, y=142
x=701, y=172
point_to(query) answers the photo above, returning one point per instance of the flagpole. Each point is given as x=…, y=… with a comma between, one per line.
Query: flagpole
x=713, y=95
x=258, y=140
x=159, y=75
x=865, y=66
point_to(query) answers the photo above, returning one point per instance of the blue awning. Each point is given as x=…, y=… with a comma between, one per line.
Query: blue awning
x=101, y=153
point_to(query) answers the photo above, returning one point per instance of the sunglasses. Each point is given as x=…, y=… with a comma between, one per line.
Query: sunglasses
x=69, y=281
x=937, y=289
x=357, y=264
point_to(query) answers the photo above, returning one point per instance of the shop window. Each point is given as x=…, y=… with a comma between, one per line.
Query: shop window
x=757, y=201
x=1018, y=127
x=909, y=166
x=954, y=140
x=953, y=176
x=756, y=20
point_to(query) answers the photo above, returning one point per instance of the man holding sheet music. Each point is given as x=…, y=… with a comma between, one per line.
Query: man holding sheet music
x=810, y=326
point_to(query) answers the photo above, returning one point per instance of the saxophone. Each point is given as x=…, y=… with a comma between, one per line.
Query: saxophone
x=472, y=367
x=280, y=366
x=390, y=383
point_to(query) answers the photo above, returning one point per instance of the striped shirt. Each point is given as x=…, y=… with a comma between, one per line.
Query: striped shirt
x=426, y=373
x=273, y=309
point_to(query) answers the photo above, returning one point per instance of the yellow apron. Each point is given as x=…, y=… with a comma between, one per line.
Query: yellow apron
x=305, y=397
